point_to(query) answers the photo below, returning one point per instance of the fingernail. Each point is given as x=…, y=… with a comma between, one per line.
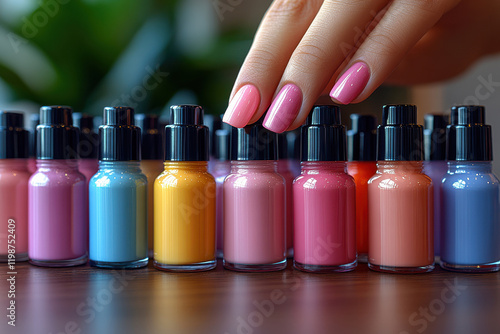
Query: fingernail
x=351, y=83
x=242, y=107
x=284, y=109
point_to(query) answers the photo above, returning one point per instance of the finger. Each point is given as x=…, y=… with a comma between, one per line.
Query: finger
x=328, y=41
x=280, y=31
x=402, y=26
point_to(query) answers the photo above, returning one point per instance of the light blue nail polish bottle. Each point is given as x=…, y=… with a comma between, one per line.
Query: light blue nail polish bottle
x=470, y=232
x=118, y=196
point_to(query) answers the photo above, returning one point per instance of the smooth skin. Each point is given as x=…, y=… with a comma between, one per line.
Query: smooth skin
x=348, y=48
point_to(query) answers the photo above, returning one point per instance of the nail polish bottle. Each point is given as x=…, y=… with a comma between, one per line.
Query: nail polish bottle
x=34, y=120
x=293, y=147
x=254, y=203
x=58, y=201
x=14, y=178
x=213, y=123
x=151, y=163
x=400, y=197
x=185, y=196
x=324, y=197
x=470, y=231
x=89, y=145
x=221, y=168
x=118, y=195
x=284, y=170
x=362, y=165
x=435, y=166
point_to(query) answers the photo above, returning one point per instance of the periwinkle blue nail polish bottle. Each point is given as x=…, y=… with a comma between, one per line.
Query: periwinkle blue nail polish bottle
x=435, y=165
x=118, y=195
x=470, y=231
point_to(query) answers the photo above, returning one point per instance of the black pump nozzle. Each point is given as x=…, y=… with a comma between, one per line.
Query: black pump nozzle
x=362, y=138
x=57, y=138
x=120, y=138
x=152, y=144
x=14, y=139
x=468, y=137
x=399, y=138
x=186, y=138
x=435, y=136
x=323, y=135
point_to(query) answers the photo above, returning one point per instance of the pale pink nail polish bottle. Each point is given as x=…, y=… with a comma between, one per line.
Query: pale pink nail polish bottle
x=254, y=203
x=57, y=194
x=14, y=177
x=324, y=197
x=400, y=197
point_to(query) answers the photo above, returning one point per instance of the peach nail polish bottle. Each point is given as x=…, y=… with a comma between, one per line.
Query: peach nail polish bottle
x=362, y=165
x=400, y=197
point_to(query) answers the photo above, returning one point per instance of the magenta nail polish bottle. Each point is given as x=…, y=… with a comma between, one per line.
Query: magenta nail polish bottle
x=284, y=170
x=58, y=201
x=324, y=197
x=254, y=203
x=88, y=164
x=220, y=169
x=14, y=177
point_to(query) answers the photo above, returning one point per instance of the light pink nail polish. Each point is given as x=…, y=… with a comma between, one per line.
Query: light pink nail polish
x=284, y=109
x=242, y=106
x=351, y=83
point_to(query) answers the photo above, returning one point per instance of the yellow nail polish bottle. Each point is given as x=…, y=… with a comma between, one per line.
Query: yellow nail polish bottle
x=184, y=196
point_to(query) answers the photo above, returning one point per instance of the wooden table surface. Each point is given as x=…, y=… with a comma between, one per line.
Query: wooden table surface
x=88, y=300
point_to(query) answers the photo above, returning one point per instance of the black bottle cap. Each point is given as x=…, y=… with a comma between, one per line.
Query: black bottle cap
x=468, y=137
x=120, y=138
x=362, y=138
x=34, y=120
x=57, y=138
x=435, y=136
x=293, y=144
x=14, y=139
x=399, y=138
x=89, y=140
x=254, y=142
x=186, y=138
x=214, y=123
x=282, y=146
x=152, y=143
x=222, y=144
x=323, y=136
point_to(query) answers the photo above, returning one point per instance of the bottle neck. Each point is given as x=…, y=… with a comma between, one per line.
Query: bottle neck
x=312, y=167
x=399, y=166
x=14, y=164
x=464, y=166
x=198, y=166
x=131, y=166
x=68, y=164
x=359, y=166
x=252, y=166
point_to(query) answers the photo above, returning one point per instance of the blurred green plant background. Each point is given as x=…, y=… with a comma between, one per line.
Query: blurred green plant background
x=146, y=54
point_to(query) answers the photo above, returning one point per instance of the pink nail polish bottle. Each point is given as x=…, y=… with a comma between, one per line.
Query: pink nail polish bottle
x=254, y=203
x=14, y=176
x=58, y=201
x=400, y=197
x=324, y=197
x=284, y=170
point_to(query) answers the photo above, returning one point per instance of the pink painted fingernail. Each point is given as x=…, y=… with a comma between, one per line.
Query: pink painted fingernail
x=351, y=83
x=242, y=107
x=284, y=109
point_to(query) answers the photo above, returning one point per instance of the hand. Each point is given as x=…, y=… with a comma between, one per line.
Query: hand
x=303, y=48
